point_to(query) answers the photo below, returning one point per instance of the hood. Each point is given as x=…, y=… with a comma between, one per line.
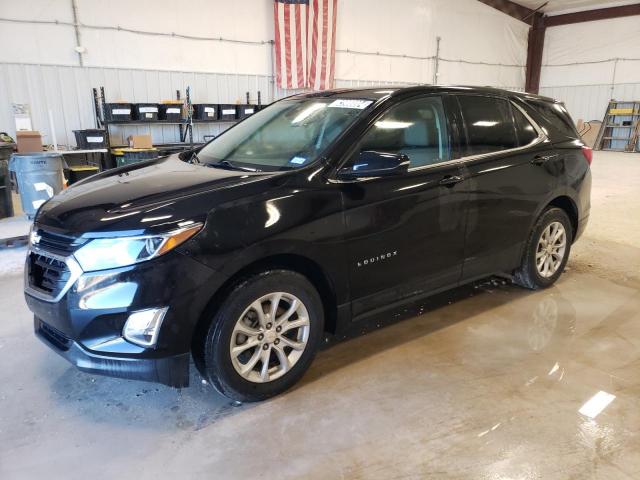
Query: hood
x=143, y=197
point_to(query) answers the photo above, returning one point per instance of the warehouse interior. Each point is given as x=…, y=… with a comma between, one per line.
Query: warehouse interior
x=484, y=381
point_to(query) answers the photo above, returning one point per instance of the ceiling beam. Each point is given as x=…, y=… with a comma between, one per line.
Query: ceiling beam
x=512, y=9
x=592, y=15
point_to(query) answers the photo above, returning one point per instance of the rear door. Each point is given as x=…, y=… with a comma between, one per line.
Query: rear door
x=405, y=233
x=511, y=168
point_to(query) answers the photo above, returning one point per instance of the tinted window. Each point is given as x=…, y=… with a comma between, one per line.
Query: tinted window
x=416, y=128
x=488, y=122
x=524, y=129
x=556, y=114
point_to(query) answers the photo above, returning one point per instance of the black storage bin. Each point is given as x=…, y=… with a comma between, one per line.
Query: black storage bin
x=90, y=139
x=227, y=112
x=170, y=112
x=205, y=111
x=118, y=112
x=145, y=112
x=75, y=174
x=245, y=110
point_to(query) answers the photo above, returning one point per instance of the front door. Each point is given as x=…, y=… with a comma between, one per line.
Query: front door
x=405, y=233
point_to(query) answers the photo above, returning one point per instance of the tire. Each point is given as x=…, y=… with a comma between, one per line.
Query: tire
x=238, y=314
x=529, y=274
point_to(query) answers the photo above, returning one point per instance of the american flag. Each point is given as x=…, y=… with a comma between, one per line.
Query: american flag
x=305, y=43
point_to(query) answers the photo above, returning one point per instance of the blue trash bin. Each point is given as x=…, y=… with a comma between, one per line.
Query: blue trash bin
x=36, y=177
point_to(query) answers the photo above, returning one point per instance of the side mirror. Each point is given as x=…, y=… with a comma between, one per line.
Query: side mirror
x=376, y=164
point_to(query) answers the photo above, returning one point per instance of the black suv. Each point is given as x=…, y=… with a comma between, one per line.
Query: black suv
x=303, y=220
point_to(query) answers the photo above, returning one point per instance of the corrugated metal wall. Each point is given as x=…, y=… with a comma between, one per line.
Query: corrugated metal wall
x=589, y=102
x=66, y=92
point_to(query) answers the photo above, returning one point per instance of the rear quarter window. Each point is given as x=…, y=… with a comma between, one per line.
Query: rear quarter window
x=556, y=116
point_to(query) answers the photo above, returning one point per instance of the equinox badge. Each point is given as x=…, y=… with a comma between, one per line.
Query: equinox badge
x=377, y=258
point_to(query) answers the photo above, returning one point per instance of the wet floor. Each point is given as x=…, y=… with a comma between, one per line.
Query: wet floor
x=491, y=382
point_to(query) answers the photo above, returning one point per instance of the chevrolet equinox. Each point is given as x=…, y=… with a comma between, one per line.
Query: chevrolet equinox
x=301, y=221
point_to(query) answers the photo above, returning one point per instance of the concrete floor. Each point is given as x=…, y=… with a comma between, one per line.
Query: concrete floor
x=487, y=387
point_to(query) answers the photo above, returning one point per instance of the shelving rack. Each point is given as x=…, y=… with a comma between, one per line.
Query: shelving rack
x=620, y=130
x=185, y=126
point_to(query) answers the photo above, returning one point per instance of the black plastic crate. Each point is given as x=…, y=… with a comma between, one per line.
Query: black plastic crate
x=145, y=112
x=91, y=139
x=245, y=111
x=127, y=156
x=76, y=174
x=118, y=112
x=205, y=111
x=227, y=112
x=170, y=112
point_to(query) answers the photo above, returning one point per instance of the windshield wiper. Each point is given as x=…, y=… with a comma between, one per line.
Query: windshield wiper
x=230, y=166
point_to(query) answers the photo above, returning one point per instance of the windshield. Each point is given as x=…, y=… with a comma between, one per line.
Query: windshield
x=288, y=134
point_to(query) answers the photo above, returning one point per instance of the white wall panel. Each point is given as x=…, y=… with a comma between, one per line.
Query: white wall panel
x=398, y=31
x=66, y=91
x=38, y=64
x=587, y=64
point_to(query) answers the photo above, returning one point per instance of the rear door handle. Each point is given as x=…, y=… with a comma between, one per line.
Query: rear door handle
x=450, y=180
x=540, y=159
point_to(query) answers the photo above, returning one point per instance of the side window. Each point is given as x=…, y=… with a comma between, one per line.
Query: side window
x=557, y=115
x=416, y=128
x=489, y=124
x=524, y=129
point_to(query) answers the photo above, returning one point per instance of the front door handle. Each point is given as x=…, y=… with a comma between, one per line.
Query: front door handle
x=541, y=159
x=450, y=180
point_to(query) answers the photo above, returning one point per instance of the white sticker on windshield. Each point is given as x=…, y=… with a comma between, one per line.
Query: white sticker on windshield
x=351, y=103
x=298, y=160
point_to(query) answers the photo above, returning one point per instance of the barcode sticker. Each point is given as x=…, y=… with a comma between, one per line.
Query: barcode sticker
x=148, y=115
x=248, y=111
x=148, y=109
x=209, y=114
x=351, y=103
x=228, y=111
x=95, y=139
x=121, y=111
x=209, y=109
x=173, y=110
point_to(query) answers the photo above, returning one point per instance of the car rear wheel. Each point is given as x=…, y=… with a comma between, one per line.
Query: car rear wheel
x=264, y=336
x=547, y=250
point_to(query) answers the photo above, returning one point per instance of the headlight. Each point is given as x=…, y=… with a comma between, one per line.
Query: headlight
x=104, y=253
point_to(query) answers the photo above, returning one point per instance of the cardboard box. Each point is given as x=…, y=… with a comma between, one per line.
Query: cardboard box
x=140, y=141
x=29, y=141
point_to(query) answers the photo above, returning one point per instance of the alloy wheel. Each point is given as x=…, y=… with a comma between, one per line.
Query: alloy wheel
x=551, y=249
x=269, y=337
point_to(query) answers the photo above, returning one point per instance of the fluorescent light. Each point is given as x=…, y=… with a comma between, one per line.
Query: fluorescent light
x=307, y=112
x=390, y=124
x=485, y=123
x=596, y=404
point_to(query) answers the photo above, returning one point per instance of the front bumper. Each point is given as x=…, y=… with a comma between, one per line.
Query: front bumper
x=85, y=324
x=171, y=370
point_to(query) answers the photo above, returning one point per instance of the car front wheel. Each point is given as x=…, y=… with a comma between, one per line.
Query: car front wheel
x=547, y=250
x=264, y=336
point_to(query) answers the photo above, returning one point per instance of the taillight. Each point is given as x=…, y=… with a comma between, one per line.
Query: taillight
x=588, y=154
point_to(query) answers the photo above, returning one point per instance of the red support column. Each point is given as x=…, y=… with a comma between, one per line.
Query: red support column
x=534, y=53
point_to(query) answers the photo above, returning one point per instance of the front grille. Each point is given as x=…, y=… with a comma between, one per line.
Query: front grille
x=55, y=337
x=57, y=243
x=47, y=274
